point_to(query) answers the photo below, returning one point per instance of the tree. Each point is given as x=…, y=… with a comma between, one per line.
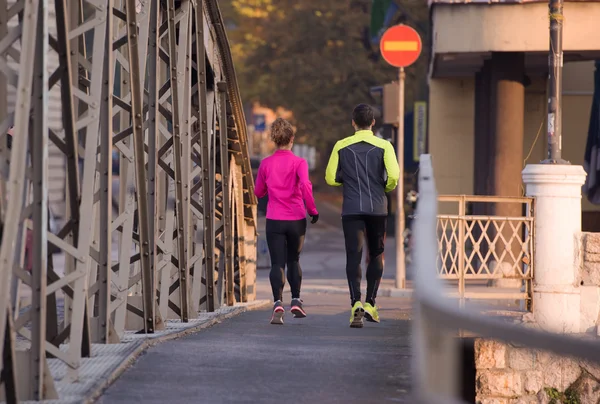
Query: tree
x=313, y=58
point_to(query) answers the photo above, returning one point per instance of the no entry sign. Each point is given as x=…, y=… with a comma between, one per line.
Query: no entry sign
x=400, y=46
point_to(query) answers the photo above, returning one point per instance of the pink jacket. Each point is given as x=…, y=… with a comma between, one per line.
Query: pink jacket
x=284, y=176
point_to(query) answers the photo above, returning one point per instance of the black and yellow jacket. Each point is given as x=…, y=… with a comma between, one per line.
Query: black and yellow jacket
x=367, y=168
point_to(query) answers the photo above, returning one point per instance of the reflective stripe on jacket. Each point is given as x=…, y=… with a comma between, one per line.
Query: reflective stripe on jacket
x=367, y=168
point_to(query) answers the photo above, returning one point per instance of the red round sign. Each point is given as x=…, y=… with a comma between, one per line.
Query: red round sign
x=400, y=46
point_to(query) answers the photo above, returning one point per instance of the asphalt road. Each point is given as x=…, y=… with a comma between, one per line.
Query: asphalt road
x=314, y=360
x=324, y=256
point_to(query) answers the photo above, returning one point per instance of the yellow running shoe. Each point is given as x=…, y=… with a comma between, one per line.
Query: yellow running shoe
x=356, y=316
x=371, y=313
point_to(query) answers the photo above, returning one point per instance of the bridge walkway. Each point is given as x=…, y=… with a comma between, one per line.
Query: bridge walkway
x=318, y=359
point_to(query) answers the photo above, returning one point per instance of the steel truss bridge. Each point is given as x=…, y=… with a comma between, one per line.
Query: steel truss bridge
x=154, y=81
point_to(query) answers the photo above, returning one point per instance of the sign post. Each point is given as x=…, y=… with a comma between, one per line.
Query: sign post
x=400, y=46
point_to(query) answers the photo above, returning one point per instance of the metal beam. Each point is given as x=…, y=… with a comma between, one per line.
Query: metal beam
x=182, y=227
x=227, y=205
x=207, y=169
x=133, y=78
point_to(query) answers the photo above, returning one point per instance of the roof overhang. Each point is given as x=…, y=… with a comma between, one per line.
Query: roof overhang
x=464, y=34
x=467, y=64
x=431, y=3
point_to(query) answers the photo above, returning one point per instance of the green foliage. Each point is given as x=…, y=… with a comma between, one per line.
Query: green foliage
x=553, y=394
x=314, y=58
x=570, y=396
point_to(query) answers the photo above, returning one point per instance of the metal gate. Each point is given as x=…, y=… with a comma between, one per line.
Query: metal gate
x=476, y=247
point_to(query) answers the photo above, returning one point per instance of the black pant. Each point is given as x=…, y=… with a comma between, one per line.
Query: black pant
x=285, y=239
x=355, y=228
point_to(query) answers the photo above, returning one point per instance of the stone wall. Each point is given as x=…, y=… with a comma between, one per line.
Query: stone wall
x=589, y=281
x=511, y=374
x=590, y=268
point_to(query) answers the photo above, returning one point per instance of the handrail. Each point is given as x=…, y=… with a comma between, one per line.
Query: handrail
x=437, y=320
x=473, y=217
x=484, y=198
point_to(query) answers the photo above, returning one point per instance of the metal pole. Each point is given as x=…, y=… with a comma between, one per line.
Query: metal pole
x=555, y=65
x=400, y=260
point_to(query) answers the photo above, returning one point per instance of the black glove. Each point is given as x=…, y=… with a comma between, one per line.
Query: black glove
x=9, y=140
x=315, y=218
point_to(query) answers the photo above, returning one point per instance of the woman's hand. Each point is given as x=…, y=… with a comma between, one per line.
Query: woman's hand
x=315, y=218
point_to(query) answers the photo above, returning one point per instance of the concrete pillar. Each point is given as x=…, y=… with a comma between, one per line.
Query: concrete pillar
x=508, y=110
x=483, y=131
x=556, y=297
x=507, y=120
x=483, y=158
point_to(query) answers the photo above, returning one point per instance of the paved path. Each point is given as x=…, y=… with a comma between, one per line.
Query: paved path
x=316, y=360
x=324, y=255
x=319, y=359
x=246, y=360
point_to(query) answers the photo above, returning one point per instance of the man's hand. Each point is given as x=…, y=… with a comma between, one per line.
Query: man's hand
x=315, y=218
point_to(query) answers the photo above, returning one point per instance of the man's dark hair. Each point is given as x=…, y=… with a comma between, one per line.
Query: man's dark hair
x=363, y=116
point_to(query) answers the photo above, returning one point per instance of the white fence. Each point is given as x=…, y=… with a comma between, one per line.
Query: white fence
x=438, y=319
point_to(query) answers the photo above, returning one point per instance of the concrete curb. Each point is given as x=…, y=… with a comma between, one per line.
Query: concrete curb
x=97, y=391
x=334, y=290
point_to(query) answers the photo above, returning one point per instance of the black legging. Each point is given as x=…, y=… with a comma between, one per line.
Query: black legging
x=355, y=227
x=285, y=239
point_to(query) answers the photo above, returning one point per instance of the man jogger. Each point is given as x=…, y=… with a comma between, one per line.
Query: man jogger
x=367, y=168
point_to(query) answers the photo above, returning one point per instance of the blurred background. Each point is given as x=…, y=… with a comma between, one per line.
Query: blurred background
x=312, y=62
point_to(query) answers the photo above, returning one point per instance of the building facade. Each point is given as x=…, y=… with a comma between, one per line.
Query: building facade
x=488, y=93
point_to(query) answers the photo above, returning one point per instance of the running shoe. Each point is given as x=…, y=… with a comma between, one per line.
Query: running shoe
x=278, y=313
x=371, y=313
x=356, y=316
x=297, y=309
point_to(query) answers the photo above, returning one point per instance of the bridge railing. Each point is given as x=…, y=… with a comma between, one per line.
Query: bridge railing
x=437, y=320
x=153, y=80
